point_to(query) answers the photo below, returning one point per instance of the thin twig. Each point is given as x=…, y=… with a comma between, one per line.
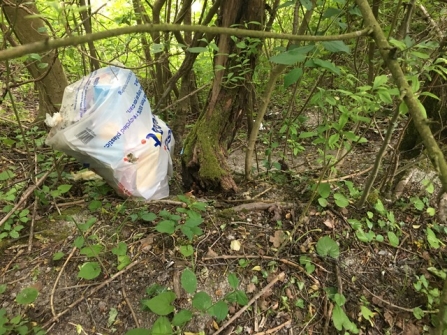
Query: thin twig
x=31, y=229
x=96, y=289
x=130, y=307
x=29, y=191
x=279, y=277
x=57, y=280
x=347, y=176
x=262, y=193
x=274, y=330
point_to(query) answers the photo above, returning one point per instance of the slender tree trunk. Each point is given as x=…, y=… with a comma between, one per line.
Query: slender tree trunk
x=86, y=16
x=205, y=156
x=50, y=79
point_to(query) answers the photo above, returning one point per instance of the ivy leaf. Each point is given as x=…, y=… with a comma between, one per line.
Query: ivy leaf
x=161, y=304
x=328, y=247
x=336, y=46
x=189, y=281
x=89, y=270
x=292, y=77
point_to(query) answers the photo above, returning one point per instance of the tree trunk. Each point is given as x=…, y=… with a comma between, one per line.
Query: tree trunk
x=50, y=79
x=204, y=160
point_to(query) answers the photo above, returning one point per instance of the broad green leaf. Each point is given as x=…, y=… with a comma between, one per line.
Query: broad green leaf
x=333, y=139
x=308, y=265
x=307, y=134
x=120, y=249
x=58, y=255
x=64, y=188
x=331, y=11
x=157, y=47
x=306, y=4
x=324, y=190
x=94, y=205
x=420, y=55
x=418, y=203
x=89, y=270
x=186, y=250
x=196, y=50
x=162, y=326
x=148, y=217
x=7, y=174
x=201, y=301
x=219, y=311
x=339, y=299
x=392, y=237
x=326, y=246
x=27, y=296
x=161, y=304
x=341, y=320
x=380, y=207
x=189, y=281
x=113, y=313
x=181, y=318
x=437, y=272
x=233, y=280
x=422, y=109
x=403, y=108
x=289, y=57
x=92, y=250
x=79, y=242
x=326, y=65
x=123, y=261
x=336, y=46
x=431, y=211
x=323, y=202
x=292, y=77
x=379, y=81
x=166, y=226
x=241, y=298
x=418, y=313
x=432, y=239
x=341, y=200
x=384, y=96
x=138, y=331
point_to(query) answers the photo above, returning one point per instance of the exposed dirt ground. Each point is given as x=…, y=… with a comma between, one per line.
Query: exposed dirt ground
x=376, y=275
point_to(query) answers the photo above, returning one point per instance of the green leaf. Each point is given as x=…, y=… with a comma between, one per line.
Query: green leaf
x=341, y=320
x=288, y=58
x=201, y=301
x=89, y=270
x=418, y=203
x=326, y=246
x=113, y=313
x=94, y=205
x=331, y=11
x=384, y=96
x=326, y=65
x=323, y=202
x=58, y=255
x=219, y=311
x=418, y=313
x=92, y=250
x=339, y=299
x=233, y=280
x=292, y=77
x=432, y=239
x=182, y=318
x=64, y=188
x=307, y=134
x=79, y=242
x=422, y=109
x=162, y=326
x=161, y=304
x=148, y=217
x=341, y=200
x=403, y=108
x=186, y=250
x=336, y=46
x=120, y=249
x=333, y=139
x=189, y=281
x=27, y=296
x=7, y=174
x=123, y=261
x=392, y=237
x=166, y=226
x=241, y=297
x=196, y=50
x=2, y=288
x=138, y=331
x=324, y=190
x=379, y=81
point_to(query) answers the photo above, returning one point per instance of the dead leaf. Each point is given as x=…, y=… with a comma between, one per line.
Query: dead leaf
x=329, y=222
x=146, y=243
x=388, y=318
x=278, y=238
x=235, y=245
x=211, y=253
x=251, y=288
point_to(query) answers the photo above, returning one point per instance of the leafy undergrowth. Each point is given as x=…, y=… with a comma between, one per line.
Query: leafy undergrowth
x=77, y=259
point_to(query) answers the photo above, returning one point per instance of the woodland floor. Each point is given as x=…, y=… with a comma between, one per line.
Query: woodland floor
x=377, y=274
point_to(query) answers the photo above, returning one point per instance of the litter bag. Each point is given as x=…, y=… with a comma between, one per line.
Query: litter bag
x=106, y=123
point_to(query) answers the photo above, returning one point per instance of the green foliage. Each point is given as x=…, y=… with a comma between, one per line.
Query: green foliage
x=89, y=270
x=328, y=247
x=27, y=296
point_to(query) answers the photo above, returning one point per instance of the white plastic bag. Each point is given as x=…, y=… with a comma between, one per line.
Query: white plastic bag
x=106, y=122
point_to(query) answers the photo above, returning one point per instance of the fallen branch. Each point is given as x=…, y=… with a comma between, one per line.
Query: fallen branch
x=96, y=289
x=274, y=330
x=261, y=206
x=279, y=277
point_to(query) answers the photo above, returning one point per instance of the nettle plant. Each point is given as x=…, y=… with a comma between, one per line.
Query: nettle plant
x=161, y=302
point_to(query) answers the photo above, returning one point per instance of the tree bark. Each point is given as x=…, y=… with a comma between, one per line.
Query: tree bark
x=51, y=80
x=204, y=161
